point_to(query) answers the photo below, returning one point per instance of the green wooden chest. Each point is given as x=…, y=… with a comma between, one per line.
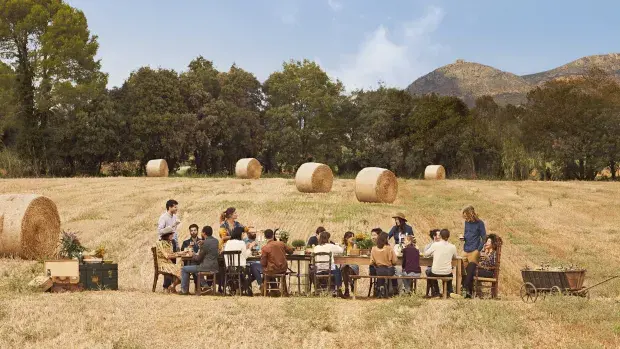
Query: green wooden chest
x=99, y=276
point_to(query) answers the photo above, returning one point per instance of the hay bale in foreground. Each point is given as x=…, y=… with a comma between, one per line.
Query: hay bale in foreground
x=435, y=172
x=157, y=168
x=248, y=168
x=29, y=226
x=374, y=184
x=313, y=177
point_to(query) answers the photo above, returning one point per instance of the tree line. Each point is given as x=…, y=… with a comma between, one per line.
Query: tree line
x=57, y=118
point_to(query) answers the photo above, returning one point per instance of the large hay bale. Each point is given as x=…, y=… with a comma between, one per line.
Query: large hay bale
x=374, y=184
x=29, y=226
x=435, y=172
x=313, y=177
x=157, y=168
x=248, y=168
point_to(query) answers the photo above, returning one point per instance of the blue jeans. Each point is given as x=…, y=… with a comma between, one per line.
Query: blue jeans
x=256, y=270
x=185, y=271
x=407, y=283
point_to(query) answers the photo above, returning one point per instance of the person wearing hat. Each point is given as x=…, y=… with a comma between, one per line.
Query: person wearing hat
x=165, y=255
x=400, y=229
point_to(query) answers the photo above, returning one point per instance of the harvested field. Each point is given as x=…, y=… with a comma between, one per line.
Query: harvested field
x=551, y=222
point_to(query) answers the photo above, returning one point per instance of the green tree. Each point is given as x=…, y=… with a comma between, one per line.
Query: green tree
x=48, y=44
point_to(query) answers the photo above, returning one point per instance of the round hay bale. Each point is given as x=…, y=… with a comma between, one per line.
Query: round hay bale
x=435, y=172
x=157, y=168
x=248, y=168
x=29, y=226
x=374, y=184
x=313, y=177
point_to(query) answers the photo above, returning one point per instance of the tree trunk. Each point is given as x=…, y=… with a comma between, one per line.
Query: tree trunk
x=612, y=167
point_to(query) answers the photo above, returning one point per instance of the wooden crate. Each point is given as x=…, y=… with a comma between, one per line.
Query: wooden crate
x=99, y=276
x=62, y=268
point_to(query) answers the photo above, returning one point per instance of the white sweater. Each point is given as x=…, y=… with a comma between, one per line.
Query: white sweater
x=237, y=245
x=442, y=252
x=334, y=249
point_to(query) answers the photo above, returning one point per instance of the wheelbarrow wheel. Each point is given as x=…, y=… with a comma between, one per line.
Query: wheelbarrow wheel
x=556, y=291
x=528, y=293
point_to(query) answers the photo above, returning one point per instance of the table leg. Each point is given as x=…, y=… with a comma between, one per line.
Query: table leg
x=459, y=276
x=299, y=277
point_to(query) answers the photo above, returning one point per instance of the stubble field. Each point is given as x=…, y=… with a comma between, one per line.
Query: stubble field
x=560, y=223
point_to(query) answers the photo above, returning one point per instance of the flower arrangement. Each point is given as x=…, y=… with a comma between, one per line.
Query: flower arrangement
x=70, y=246
x=363, y=241
x=100, y=251
x=283, y=236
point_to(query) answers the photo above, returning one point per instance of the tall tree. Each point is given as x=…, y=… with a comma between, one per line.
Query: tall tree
x=48, y=43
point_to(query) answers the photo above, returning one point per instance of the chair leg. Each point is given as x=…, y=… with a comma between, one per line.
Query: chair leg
x=155, y=281
x=370, y=286
x=225, y=283
x=415, y=286
x=265, y=285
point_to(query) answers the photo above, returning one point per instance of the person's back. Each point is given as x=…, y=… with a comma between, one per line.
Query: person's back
x=209, y=252
x=411, y=259
x=443, y=252
x=383, y=257
x=273, y=255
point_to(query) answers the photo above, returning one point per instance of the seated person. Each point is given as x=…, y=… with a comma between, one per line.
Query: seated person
x=374, y=234
x=205, y=261
x=442, y=252
x=236, y=244
x=314, y=240
x=411, y=262
x=488, y=259
x=348, y=269
x=323, y=262
x=256, y=269
x=165, y=255
x=383, y=258
x=434, y=235
x=273, y=255
x=193, y=241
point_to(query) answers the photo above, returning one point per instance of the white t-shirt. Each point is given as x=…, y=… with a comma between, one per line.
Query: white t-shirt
x=237, y=245
x=443, y=252
x=326, y=248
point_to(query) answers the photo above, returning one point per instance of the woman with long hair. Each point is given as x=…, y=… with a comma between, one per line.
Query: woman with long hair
x=400, y=229
x=165, y=255
x=474, y=235
x=228, y=223
x=348, y=241
x=488, y=259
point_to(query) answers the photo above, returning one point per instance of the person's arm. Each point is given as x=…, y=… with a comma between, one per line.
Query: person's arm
x=454, y=254
x=264, y=258
x=393, y=256
x=372, y=257
x=337, y=249
x=288, y=249
x=404, y=257
x=161, y=224
x=483, y=235
x=201, y=254
x=184, y=245
x=429, y=251
x=224, y=234
x=391, y=233
x=245, y=251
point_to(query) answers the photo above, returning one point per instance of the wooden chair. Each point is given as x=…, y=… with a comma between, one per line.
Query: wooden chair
x=233, y=273
x=208, y=275
x=157, y=271
x=479, y=282
x=279, y=280
x=323, y=274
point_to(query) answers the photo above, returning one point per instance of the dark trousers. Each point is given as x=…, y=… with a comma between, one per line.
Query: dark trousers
x=168, y=279
x=385, y=271
x=435, y=283
x=468, y=282
x=256, y=271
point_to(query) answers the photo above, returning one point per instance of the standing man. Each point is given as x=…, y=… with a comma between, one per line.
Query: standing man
x=168, y=222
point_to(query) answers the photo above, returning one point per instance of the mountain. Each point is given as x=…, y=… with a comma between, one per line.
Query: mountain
x=469, y=80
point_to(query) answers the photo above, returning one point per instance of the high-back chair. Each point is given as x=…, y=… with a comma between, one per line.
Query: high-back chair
x=323, y=274
x=233, y=272
x=493, y=282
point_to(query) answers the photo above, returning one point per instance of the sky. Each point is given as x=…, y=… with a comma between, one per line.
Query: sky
x=359, y=42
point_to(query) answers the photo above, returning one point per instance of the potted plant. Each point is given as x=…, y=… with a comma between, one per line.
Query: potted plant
x=299, y=244
x=283, y=236
x=364, y=243
x=70, y=246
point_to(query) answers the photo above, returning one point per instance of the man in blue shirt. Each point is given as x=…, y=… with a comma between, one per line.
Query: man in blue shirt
x=400, y=229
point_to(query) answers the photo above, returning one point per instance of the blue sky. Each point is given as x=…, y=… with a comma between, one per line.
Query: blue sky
x=359, y=42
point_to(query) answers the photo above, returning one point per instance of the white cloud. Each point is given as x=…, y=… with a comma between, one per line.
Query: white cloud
x=286, y=10
x=335, y=5
x=381, y=58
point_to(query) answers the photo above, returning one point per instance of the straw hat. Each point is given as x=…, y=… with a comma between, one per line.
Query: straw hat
x=400, y=215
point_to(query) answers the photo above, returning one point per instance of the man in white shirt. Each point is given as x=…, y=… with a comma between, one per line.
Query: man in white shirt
x=442, y=252
x=168, y=222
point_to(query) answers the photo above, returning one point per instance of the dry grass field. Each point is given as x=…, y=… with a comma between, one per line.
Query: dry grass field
x=552, y=222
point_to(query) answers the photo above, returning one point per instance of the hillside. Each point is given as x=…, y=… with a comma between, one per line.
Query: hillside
x=554, y=222
x=468, y=80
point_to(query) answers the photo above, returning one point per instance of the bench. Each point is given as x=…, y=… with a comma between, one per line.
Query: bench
x=444, y=280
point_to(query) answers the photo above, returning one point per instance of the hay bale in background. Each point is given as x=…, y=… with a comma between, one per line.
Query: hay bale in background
x=29, y=226
x=435, y=172
x=157, y=168
x=313, y=177
x=248, y=168
x=374, y=184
